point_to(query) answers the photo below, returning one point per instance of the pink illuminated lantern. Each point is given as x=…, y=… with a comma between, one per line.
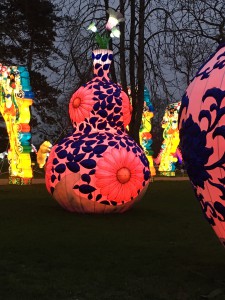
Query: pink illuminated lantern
x=98, y=168
x=202, y=138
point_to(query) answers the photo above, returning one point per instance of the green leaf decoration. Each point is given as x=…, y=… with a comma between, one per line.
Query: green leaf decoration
x=102, y=41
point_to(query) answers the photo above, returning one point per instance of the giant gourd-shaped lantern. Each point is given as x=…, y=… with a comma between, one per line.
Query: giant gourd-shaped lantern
x=145, y=130
x=98, y=168
x=15, y=100
x=170, y=153
x=202, y=138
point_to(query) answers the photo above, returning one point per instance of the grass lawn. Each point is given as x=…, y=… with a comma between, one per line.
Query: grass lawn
x=162, y=249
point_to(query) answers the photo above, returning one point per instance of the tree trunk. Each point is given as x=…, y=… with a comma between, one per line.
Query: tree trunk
x=112, y=67
x=140, y=69
x=132, y=69
x=139, y=89
x=123, y=76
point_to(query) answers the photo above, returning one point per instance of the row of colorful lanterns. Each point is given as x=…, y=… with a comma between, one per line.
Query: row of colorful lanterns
x=170, y=153
x=166, y=159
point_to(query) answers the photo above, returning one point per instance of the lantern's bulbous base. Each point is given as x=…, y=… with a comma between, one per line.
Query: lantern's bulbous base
x=75, y=203
x=88, y=174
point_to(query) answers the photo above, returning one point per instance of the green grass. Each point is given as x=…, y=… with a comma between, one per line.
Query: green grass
x=161, y=249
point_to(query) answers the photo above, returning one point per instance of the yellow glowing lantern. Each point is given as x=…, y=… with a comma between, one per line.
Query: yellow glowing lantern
x=169, y=154
x=15, y=101
x=145, y=130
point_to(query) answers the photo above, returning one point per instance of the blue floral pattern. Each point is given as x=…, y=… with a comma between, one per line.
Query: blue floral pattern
x=205, y=73
x=199, y=148
x=104, y=129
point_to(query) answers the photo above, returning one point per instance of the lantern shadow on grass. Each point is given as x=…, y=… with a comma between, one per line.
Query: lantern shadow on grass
x=161, y=249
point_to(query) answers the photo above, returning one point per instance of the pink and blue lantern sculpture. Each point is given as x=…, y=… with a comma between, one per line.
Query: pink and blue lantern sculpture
x=99, y=168
x=202, y=138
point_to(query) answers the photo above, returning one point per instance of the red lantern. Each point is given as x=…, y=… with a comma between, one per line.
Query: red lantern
x=202, y=138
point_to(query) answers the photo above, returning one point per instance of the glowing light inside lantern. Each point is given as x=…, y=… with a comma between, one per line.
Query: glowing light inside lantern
x=76, y=102
x=123, y=175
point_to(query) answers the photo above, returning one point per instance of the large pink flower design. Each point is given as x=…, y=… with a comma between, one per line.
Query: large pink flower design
x=119, y=175
x=81, y=104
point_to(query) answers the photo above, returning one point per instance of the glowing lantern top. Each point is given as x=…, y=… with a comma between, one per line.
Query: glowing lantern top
x=114, y=19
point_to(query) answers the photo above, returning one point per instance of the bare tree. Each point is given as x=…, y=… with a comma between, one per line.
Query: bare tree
x=161, y=46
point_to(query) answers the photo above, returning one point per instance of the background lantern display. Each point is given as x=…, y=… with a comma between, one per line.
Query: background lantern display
x=15, y=101
x=42, y=153
x=170, y=153
x=145, y=130
x=98, y=168
x=202, y=138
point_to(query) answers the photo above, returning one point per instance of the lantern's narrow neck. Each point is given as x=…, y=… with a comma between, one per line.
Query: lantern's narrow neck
x=102, y=59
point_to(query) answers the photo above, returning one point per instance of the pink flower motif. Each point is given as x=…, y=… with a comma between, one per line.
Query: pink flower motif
x=126, y=108
x=119, y=175
x=81, y=104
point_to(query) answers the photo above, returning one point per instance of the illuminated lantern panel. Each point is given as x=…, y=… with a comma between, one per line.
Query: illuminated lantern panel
x=202, y=138
x=169, y=153
x=98, y=168
x=15, y=101
x=145, y=130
